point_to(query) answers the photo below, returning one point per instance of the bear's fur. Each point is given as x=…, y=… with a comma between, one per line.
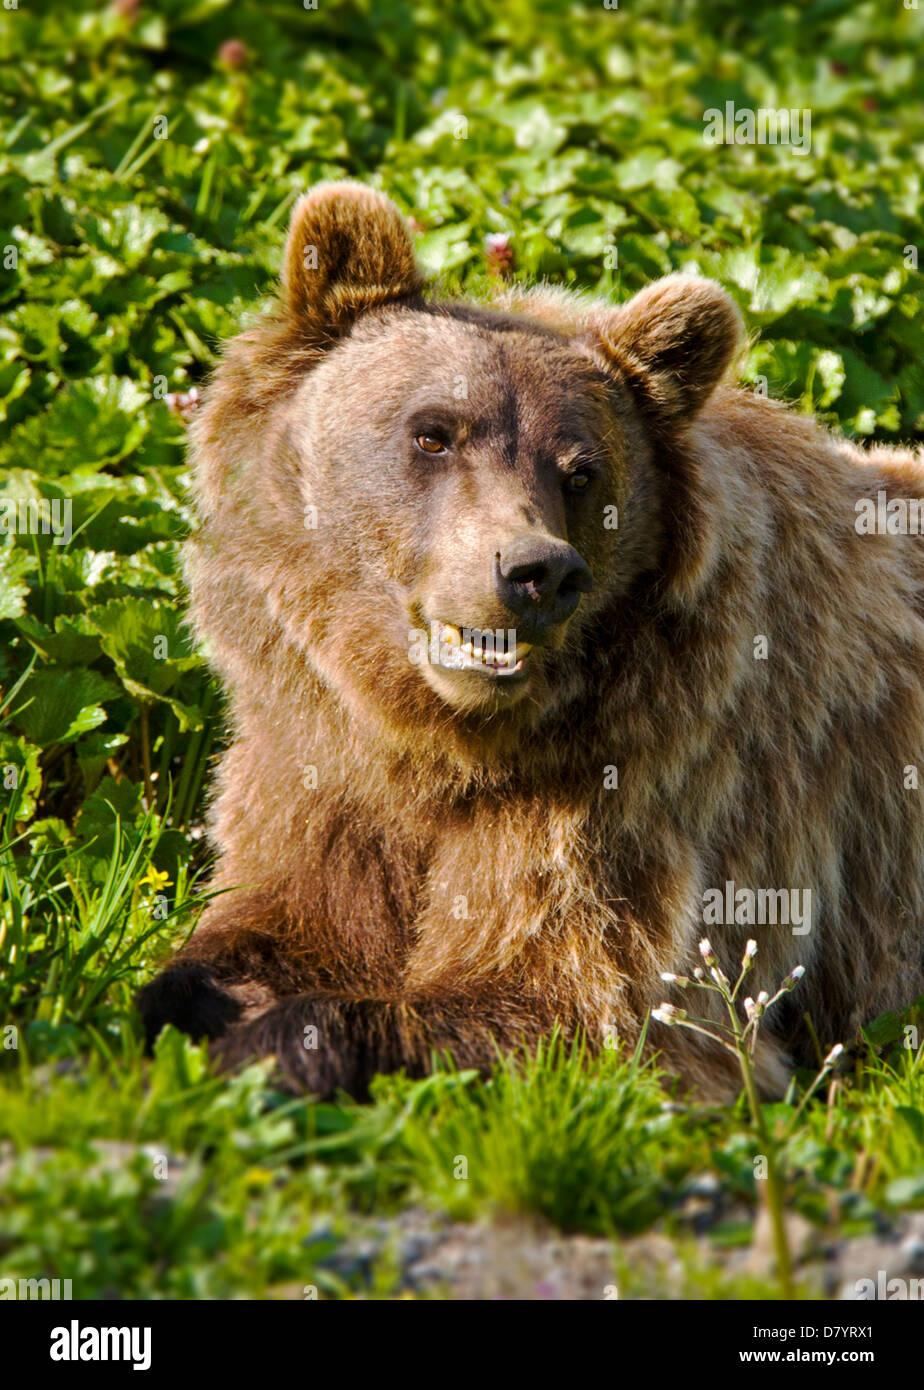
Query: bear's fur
x=419, y=858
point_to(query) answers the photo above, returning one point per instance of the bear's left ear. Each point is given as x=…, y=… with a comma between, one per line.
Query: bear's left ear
x=672, y=344
x=348, y=250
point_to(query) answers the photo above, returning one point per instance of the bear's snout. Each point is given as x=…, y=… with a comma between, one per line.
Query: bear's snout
x=540, y=579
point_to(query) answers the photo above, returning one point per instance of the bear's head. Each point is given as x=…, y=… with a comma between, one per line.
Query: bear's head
x=429, y=508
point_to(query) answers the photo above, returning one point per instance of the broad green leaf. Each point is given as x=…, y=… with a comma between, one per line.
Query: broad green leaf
x=57, y=703
x=15, y=565
x=74, y=641
x=19, y=773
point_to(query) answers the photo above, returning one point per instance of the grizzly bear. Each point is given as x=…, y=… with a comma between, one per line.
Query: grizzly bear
x=548, y=652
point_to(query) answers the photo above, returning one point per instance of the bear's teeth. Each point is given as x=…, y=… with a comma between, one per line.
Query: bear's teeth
x=481, y=654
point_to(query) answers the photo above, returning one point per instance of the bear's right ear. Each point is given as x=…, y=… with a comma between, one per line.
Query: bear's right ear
x=348, y=250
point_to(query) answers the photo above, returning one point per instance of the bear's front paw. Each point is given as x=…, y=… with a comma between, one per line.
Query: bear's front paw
x=187, y=996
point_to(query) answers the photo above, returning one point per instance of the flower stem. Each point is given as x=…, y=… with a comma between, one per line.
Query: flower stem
x=774, y=1183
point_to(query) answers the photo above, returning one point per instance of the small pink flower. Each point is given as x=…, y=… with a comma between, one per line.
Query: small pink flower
x=499, y=254
x=233, y=53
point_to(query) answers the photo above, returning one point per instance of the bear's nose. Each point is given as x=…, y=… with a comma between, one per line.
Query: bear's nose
x=541, y=577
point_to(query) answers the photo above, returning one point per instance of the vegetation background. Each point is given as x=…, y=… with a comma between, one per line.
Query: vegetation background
x=149, y=153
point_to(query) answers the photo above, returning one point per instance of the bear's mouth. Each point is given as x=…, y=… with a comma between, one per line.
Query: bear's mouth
x=471, y=649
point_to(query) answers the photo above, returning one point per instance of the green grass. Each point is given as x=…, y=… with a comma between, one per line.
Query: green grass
x=124, y=259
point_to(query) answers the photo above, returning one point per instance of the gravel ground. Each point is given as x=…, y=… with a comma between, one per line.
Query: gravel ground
x=520, y=1260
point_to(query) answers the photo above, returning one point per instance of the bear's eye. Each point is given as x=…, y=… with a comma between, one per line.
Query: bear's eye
x=576, y=482
x=429, y=444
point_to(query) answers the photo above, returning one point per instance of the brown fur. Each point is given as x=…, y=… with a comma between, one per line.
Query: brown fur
x=460, y=877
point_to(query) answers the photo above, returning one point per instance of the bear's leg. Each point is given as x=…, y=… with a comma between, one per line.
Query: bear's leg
x=324, y=1042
